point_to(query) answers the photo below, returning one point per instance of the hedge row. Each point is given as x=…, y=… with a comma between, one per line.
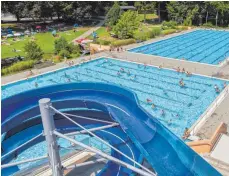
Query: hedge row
x=123, y=42
x=19, y=66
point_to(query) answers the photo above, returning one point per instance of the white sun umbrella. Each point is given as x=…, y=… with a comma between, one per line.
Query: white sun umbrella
x=17, y=34
x=9, y=35
x=87, y=41
x=27, y=32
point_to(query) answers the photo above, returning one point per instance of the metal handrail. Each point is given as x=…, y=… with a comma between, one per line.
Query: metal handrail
x=22, y=162
x=22, y=145
x=101, y=140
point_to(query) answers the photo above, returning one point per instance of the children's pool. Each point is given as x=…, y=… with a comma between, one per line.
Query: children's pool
x=182, y=106
x=204, y=46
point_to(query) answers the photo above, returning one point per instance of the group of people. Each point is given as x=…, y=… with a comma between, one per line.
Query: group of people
x=153, y=106
x=179, y=70
x=70, y=63
x=118, y=49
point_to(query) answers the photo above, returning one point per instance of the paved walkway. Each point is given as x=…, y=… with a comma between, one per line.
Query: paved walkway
x=89, y=32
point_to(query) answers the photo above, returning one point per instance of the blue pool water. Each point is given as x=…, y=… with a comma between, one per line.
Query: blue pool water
x=182, y=106
x=204, y=46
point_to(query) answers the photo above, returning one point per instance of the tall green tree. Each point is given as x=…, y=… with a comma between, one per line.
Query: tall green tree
x=113, y=15
x=33, y=51
x=145, y=7
x=14, y=7
x=127, y=24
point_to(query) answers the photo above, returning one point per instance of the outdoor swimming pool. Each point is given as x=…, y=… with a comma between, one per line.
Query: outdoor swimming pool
x=204, y=46
x=182, y=106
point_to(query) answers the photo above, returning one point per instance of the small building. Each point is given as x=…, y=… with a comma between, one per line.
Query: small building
x=125, y=8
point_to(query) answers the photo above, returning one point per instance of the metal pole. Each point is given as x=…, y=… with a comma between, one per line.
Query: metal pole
x=104, y=155
x=24, y=161
x=93, y=129
x=49, y=127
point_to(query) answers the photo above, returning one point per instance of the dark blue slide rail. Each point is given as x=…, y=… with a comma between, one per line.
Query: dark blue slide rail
x=166, y=153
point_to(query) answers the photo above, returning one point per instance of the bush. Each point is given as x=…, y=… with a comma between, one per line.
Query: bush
x=33, y=51
x=208, y=24
x=168, y=31
x=156, y=31
x=183, y=27
x=169, y=25
x=19, y=66
x=142, y=36
x=102, y=42
x=64, y=53
x=61, y=44
x=123, y=42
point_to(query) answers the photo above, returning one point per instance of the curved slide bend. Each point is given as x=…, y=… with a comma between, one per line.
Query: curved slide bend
x=164, y=151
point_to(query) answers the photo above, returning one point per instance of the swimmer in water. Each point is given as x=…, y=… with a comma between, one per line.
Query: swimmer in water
x=118, y=73
x=148, y=100
x=128, y=72
x=160, y=66
x=162, y=112
x=178, y=69
x=36, y=85
x=122, y=70
x=183, y=70
x=186, y=133
x=153, y=106
x=182, y=84
x=216, y=88
x=69, y=80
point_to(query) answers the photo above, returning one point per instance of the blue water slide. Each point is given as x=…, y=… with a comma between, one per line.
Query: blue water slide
x=166, y=153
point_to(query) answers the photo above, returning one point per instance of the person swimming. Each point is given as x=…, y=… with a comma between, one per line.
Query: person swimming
x=36, y=85
x=148, y=100
x=118, y=73
x=216, y=88
x=128, y=72
x=186, y=133
x=69, y=80
x=122, y=70
x=183, y=70
x=182, y=84
x=178, y=69
x=153, y=106
x=162, y=112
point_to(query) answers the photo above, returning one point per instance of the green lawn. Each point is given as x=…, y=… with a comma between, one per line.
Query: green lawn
x=44, y=40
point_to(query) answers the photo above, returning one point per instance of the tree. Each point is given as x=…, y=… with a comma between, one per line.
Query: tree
x=60, y=44
x=113, y=15
x=145, y=7
x=127, y=24
x=33, y=51
x=14, y=7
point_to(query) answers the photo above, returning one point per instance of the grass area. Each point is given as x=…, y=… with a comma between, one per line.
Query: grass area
x=44, y=40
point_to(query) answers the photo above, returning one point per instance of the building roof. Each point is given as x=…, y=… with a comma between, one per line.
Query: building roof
x=127, y=7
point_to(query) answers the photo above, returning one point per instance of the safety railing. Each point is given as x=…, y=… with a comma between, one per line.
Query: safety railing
x=51, y=134
x=209, y=111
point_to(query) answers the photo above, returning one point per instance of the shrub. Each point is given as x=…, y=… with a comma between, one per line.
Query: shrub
x=169, y=25
x=142, y=36
x=19, y=66
x=156, y=31
x=33, y=51
x=208, y=24
x=60, y=44
x=123, y=42
x=102, y=42
x=183, y=27
x=168, y=31
x=64, y=53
